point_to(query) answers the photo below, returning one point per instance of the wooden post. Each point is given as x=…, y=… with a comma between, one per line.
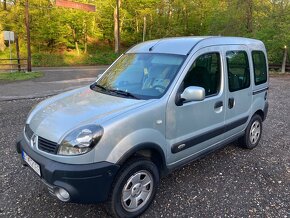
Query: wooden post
x=4, y=5
x=117, y=26
x=284, y=60
x=17, y=52
x=10, y=52
x=27, y=24
x=144, y=29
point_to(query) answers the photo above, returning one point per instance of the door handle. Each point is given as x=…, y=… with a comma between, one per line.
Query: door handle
x=231, y=103
x=218, y=104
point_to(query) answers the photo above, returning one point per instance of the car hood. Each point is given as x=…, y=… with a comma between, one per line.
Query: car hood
x=56, y=116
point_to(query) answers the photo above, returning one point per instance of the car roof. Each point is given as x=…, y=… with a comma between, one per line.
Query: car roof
x=184, y=45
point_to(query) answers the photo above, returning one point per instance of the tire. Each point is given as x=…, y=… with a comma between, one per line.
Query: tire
x=253, y=133
x=134, y=188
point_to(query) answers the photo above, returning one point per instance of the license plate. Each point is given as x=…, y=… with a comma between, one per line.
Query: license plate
x=35, y=166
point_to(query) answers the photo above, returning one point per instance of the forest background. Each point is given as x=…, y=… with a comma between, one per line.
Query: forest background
x=63, y=36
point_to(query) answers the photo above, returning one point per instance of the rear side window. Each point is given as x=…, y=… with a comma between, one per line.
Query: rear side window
x=260, y=67
x=238, y=70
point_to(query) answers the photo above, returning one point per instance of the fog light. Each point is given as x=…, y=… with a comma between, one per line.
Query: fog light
x=62, y=194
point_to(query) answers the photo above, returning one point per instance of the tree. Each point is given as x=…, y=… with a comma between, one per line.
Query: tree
x=117, y=26
x=56, y=29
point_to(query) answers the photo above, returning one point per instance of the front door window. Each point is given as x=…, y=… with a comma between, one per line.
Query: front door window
x=205, y=72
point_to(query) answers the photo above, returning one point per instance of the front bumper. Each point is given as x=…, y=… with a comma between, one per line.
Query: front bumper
x=86, y=183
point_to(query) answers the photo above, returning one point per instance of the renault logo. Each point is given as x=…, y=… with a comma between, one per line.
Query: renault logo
x=33, y=140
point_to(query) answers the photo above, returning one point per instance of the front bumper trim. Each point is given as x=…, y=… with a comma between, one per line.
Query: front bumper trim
x=86, y=183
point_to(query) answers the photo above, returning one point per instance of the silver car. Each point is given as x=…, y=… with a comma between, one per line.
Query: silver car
x=160, y=105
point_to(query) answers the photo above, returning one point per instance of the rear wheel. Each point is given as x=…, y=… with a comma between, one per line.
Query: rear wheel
x=253, y=133
x=134, y=188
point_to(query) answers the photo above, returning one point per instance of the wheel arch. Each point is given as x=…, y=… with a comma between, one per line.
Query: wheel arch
x=147, y=150
x=260, y=113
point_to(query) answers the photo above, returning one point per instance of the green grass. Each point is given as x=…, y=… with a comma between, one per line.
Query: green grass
x=16, y=76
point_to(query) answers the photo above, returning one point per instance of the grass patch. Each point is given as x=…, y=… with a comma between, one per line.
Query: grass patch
x=16, y=76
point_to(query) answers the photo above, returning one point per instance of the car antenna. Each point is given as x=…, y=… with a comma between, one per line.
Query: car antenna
x=151, y=48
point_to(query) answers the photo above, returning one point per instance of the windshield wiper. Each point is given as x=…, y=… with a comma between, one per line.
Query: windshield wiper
x=116, y=91
x=124, y=93
x=93, y=86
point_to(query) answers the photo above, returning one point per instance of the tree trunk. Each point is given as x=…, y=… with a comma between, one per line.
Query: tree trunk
x=27, y=24
x=144, y=29
x=249, y=16
x=150, y=27
x=121, y=22
x=4, y=5
x=137, y=25
x=284, y=61
x=75, y=40
x=117, y=26
x=186, y=20
x=86, y=39
x=86, y=47
x=77, y=47
x=17, y=52
x=2, y=44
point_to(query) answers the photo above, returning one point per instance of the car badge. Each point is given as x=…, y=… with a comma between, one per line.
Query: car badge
x=33, y=140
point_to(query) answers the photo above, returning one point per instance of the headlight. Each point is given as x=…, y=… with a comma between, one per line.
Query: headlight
x=81, y=140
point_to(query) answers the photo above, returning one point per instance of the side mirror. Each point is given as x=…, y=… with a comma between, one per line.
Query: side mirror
x=99, y=75
x=193, y=93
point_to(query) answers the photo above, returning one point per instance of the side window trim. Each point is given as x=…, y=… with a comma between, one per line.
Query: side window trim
x=219, y=55
x=247, y=68
x=254, y=67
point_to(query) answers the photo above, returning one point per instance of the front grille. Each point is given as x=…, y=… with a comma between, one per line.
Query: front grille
x=47, y=146
x=28, y=132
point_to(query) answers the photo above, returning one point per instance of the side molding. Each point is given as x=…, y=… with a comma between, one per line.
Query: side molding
x=260, y=90
x=207, y=135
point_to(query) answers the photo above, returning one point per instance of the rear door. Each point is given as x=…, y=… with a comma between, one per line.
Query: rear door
x=238, y=89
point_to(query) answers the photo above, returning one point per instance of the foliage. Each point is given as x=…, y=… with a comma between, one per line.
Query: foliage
x=101, y=57
x=56, y=30
x=14, y=76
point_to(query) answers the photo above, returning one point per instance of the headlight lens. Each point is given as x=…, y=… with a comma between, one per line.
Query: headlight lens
x=81, y=140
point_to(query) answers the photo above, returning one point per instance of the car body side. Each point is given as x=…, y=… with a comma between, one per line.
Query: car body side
x=143, y=122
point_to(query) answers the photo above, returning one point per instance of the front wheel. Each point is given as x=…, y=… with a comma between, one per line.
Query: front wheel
x=253, y=133
x=134, y=188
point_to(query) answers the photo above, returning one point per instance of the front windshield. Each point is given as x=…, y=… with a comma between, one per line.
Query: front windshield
x=143, y=76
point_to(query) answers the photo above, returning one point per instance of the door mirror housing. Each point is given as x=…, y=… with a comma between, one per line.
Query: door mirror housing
x=99, y=76
x=193, y=93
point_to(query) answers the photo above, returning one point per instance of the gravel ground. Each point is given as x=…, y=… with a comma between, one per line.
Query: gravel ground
x=231, y=182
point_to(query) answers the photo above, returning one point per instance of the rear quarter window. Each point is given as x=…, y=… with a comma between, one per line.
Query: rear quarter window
x=260, y=67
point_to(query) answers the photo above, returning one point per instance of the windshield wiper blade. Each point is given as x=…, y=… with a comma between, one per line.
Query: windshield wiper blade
x=124, y=93
x=99, y=86
x=116, y=91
